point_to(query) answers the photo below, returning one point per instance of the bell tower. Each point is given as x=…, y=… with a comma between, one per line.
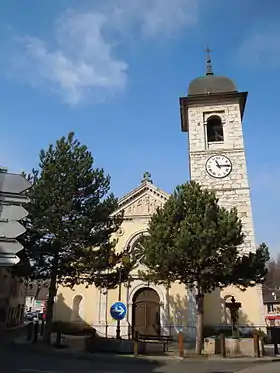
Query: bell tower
x=212, y=114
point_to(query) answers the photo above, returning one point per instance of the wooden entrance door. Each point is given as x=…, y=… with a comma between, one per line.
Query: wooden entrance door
x=146, y=312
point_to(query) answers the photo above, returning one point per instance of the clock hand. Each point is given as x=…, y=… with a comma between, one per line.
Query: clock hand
x=224, y=165
x=217, y=164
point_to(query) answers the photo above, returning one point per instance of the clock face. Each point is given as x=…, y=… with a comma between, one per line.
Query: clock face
x=218, y=166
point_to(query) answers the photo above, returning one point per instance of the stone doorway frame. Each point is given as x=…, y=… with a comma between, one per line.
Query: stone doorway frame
x=155, y=301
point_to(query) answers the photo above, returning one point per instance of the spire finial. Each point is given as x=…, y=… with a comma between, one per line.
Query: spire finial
x=209, y=70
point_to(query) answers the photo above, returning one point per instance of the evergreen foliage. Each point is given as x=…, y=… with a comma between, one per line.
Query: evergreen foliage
x=70, y=223
x=195, y=241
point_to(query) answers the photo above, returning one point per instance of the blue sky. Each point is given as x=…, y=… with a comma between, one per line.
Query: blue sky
x=113, y=73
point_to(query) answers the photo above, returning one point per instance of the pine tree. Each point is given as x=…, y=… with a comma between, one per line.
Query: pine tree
x=69, y=227
x=195, y=241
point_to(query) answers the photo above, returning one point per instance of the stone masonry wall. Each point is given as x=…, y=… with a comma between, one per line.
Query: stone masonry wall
x=231, y=118
x=233, y=190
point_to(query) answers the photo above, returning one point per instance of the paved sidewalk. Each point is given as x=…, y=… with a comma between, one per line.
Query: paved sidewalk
x=40, y=348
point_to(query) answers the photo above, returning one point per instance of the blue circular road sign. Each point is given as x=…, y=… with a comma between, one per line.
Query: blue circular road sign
x=118, y=311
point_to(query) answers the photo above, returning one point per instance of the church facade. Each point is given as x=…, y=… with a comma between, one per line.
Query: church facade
x=151, y=309
x=212, y=115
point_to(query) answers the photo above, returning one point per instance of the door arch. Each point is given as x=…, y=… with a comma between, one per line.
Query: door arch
x=146, y=312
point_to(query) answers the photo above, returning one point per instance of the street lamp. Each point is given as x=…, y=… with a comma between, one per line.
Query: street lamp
x=124, y=261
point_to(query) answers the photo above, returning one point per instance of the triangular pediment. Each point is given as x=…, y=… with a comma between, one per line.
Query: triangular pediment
x=142, y=201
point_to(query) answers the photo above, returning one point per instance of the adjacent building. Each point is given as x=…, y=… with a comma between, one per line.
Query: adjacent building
x=271, y=301
x=12, y=299
x=36, y=296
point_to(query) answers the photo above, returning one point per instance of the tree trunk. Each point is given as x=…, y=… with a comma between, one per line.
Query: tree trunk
x=168, y=306
x=50, y=304
x=199, y=323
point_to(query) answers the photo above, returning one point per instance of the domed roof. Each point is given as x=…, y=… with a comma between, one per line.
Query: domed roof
x=211, y=83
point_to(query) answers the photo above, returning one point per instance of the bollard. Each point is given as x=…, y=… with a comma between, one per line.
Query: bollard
x=58, y=338
x=262, y=347
x=29, y=330
x=256, y=345
x=136, y=344
x=276, y=351
x=181, y=344
x=274, y=338
x=42, y=328
x=35, y=332
x=223, y=344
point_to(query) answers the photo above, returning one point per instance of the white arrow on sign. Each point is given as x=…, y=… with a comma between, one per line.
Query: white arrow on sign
x=120, y=310
x=10, y=247
x=13, y=183
x=11, y=229
x=12, y=212
x=9, y=260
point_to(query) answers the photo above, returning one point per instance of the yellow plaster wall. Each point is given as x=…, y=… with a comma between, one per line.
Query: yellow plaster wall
x=64, y=303
x=178, y=304
x=91, y=294
x=130, y=228
x=250, y=313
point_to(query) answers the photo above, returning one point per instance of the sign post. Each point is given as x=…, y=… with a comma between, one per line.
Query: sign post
x=118, y=311
x=11, y=210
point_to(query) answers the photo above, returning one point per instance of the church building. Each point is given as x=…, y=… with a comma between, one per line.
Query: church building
x=212, y=115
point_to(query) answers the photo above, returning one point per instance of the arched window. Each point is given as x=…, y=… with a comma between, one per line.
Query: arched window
x=214, y=128
x=135, y=247
x=76, y=307
x=137, y=250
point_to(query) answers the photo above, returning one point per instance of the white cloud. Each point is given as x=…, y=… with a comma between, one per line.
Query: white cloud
x=168, y=17
x=153, y=18
x=81, y=63
x=261, y=45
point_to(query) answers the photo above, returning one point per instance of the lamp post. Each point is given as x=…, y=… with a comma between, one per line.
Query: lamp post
x=124, y=261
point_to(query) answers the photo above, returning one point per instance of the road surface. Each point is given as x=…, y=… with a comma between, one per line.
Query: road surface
x=17, y=359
